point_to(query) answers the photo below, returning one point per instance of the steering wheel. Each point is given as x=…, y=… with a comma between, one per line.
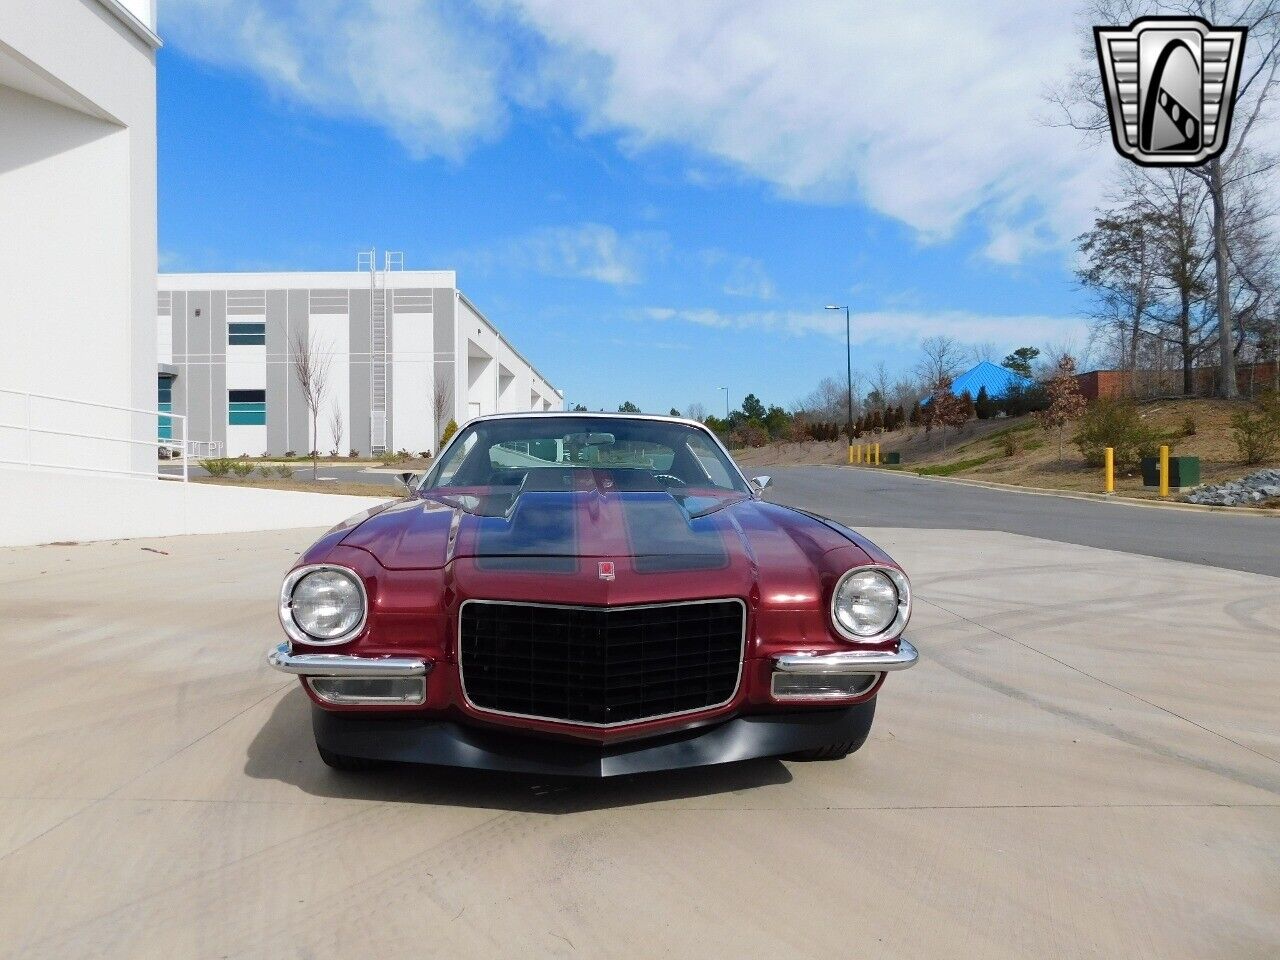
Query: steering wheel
x=670, y=478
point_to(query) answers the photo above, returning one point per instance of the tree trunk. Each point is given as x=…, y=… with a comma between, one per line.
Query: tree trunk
x=1184, y=342
x=1226, y=356
x=314, y=472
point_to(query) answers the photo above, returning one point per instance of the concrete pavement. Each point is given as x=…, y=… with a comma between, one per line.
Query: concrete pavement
x=1085, y=764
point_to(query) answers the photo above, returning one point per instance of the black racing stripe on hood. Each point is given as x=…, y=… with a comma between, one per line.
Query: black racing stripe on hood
x=665, y=539
x=539, y=534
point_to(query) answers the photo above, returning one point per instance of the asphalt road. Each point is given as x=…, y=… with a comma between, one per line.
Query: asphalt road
x=884, y=498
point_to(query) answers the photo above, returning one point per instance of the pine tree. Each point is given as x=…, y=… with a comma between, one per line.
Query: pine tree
x=983, y=405
x=916, y=417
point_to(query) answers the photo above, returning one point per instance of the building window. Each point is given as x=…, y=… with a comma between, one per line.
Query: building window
x=247, y=408
x=164, y=403
x=246, y=334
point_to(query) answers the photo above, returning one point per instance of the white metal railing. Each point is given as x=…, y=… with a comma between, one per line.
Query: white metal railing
x=202, y=448
x=52, y=426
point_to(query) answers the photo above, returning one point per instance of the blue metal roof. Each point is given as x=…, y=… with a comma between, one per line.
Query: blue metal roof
x=996, y=379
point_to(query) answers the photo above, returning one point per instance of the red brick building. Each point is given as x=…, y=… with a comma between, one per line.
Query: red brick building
x=1251, y=378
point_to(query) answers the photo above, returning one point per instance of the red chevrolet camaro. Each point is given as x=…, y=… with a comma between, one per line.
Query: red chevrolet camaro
x=590, y=595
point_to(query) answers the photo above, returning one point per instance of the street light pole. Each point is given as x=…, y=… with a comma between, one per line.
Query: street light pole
x=848, y=372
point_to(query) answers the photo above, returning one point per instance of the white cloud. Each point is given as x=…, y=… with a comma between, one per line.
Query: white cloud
x=587, y=251
x=928, y=112
x=889, y=327
x=739, y=276
x=427, y=73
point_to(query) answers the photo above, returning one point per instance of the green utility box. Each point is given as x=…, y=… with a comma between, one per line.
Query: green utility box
x=892, y=458
x=1183, y=471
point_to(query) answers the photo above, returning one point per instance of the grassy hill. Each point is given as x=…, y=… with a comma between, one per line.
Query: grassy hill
x=1017, y=451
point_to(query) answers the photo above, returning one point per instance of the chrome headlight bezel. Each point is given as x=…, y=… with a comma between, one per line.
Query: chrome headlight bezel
x=291, y=626
x=903, y=614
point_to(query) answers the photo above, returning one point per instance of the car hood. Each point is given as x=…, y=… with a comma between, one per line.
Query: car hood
x=550, y=532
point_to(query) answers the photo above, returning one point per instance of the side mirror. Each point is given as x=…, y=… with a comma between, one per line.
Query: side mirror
x=408, y=479
x=762, y=482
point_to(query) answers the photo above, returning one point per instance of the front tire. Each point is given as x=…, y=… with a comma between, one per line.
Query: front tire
x=340, y=761
x=838, y=751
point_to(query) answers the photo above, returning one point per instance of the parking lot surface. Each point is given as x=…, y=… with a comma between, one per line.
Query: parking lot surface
x=1086, y=763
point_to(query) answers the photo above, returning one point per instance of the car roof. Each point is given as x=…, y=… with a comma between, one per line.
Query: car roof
x=586, y=413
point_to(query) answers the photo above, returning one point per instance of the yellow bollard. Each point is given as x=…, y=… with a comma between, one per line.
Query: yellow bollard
x=1111, y=469
x=1164, y=471
x=859, y=454
x=851, y=454
x=877, y=454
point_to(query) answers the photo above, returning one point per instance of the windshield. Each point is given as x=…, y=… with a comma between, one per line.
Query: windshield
x=563, y=453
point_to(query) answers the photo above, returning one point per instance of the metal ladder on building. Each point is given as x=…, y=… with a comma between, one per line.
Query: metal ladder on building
x=378, y=343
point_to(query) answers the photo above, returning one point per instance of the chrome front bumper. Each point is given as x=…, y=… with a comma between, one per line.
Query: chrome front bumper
x=848, y=662
x=337, y=665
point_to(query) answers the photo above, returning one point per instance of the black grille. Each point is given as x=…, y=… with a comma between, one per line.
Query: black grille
x=600, y=665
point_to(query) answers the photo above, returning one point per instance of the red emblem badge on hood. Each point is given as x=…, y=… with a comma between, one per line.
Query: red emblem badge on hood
x=606, y=569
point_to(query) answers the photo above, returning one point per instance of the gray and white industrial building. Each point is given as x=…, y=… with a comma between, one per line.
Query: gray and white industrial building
x=399, y=344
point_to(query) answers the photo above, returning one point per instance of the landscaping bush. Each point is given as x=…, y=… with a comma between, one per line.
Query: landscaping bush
x=424, y=454
x=352, y=454
x=1257, y=431
x=1009, y=443
x=1189, y=426
x=750, y=434
x=241, y=468
x=265, y=471
x=1115, y=423
x=450, y=429
x=284, y=473
x=290, y=454
x=217, y=466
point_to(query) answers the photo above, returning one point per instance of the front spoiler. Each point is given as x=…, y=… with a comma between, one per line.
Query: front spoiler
x=416, y=740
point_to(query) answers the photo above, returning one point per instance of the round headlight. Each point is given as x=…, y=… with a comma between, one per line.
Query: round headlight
x=870, y=602
x=322, y=604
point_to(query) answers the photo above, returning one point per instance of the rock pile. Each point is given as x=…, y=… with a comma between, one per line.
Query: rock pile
x=1247, y=490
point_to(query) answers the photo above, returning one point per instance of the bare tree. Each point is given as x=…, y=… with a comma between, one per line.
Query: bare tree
x=441, y=403
x=881, y=383
x=941, y=358
x=696, y=411
x=311, y=368
x=1081, y=103
x=337, y=427
x=984, y=352
x=829, y=402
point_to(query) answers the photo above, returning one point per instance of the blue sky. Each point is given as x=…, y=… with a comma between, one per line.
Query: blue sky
x=639, y=234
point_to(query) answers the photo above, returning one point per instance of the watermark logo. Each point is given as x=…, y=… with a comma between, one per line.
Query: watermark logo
x=1171, y=86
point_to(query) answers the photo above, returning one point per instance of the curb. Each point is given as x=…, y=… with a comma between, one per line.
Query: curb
x=1078, y=494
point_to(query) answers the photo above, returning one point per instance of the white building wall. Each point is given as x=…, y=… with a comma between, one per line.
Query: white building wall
x=411, y=371
x=77, y=171
x=130, y=507
x=330, y=335
x=433, y=330
x=485, y=358
x=246, y=370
